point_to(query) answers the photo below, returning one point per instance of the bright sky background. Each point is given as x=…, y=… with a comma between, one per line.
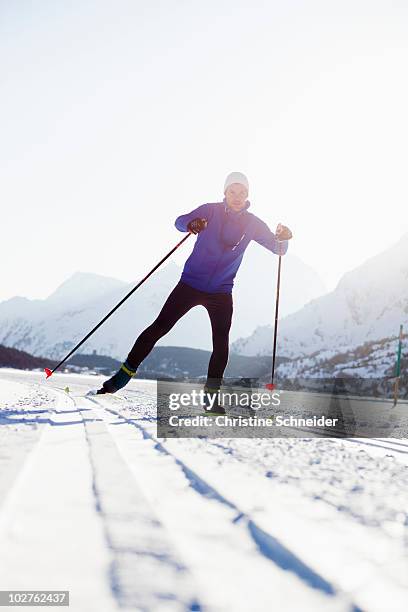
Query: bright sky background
x=117, y=116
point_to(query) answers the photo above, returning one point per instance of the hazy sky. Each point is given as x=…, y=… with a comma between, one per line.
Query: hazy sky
x=117, y=116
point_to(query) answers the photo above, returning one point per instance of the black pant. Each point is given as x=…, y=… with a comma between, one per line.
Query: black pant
x=180, y=301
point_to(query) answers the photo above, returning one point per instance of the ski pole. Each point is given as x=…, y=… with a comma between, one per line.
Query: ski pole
x=271, y=385
x=50, y=372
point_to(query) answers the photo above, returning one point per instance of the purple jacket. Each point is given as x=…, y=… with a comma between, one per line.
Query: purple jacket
x=219, y=248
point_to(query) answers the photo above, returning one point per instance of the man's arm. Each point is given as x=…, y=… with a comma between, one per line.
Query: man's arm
x=265, y=237
x=183, y=220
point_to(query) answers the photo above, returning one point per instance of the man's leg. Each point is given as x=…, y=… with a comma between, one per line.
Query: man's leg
x=220, y=308
x=180, y=301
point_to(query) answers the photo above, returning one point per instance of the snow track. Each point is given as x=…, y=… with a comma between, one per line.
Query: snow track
x=97, y=504
x=246, y=538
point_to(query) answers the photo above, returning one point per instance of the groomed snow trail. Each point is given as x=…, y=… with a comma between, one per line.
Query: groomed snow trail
x=93, y=502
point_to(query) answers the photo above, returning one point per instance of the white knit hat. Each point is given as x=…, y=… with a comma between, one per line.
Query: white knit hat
x=236, y=177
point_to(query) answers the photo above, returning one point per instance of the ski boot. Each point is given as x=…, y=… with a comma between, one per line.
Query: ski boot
x=118, y=380
x=215, y=408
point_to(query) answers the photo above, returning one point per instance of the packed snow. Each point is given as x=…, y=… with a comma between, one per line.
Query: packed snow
x=93, y=502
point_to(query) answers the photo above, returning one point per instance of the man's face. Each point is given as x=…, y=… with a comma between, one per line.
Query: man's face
x=236, y=196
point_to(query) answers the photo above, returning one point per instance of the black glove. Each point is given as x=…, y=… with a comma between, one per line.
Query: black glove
x=283, y=233
x=196, y=225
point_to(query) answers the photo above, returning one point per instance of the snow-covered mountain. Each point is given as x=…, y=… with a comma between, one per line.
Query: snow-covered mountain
x=375, y=359
x=369, y=303
x=82, y=288
x=255, y=288
x=51, y=327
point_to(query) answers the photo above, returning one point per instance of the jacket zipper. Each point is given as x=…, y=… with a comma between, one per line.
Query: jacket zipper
x=220, y=257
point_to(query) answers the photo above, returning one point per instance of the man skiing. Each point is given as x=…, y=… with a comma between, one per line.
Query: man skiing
x=224, y=230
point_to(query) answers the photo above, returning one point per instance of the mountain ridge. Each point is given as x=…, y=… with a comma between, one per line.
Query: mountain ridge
x=369, y=303
x=52, y=326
